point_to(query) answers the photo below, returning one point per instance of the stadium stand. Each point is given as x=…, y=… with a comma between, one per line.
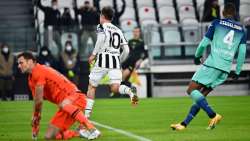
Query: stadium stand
x=244, y=1
x=161, y=3
x=172, y=35
x=181, y=3
x=172, y=28
x=129, y=13
x=129, y=3
x=146, y=13
x=166, y=12
x=106, y=3
x=143, y=3
x=128, y=25
x=244, y=12
x=16, y=26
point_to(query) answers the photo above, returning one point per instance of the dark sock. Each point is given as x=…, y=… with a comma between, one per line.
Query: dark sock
x=127, y=83
x=202, y=103
x=192, y=113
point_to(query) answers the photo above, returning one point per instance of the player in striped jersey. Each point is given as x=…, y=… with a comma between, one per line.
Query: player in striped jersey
x=108, y=57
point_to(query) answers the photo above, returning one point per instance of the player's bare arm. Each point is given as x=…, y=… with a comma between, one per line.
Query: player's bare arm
x=37, y=108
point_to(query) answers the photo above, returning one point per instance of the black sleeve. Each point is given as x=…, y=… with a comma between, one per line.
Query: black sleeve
x=39, y=4
x=75, y=8
x=119, y=13
x=144, y=53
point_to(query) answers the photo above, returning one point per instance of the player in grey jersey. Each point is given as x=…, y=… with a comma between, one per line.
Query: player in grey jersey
x=106, y=53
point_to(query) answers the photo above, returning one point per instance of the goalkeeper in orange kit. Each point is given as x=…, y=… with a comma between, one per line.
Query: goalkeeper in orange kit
x=47, y=83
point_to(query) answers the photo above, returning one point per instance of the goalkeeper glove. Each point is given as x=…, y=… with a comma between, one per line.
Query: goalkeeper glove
x=35, y=124
x=35, y=131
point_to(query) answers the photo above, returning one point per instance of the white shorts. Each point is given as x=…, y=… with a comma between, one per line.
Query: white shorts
x=97, y=73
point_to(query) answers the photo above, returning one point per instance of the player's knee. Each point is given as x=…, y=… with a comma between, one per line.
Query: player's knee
x=91, y=91
x=189, y=91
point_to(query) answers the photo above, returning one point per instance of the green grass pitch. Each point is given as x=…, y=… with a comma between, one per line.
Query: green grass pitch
x=150, y=119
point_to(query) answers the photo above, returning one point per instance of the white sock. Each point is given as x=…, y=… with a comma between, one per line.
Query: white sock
x=123, y=89
x=89, y=107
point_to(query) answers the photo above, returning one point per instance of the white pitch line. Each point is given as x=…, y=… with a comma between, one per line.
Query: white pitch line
x=140, y=138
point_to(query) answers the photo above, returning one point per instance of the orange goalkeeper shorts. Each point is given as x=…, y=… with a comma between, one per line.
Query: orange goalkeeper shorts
x=62, y=119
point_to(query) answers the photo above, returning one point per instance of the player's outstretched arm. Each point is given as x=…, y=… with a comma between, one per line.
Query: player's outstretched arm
x=202, y=46
x=200, y=49
x=37, y=109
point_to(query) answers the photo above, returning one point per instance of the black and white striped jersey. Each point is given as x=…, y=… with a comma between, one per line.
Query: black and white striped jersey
x=110, y=40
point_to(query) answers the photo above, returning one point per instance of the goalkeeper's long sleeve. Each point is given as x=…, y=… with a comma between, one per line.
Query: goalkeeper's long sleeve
x=241, y=58
x=203, y=44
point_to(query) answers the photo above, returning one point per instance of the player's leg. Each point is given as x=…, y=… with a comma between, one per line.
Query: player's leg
x=115, y=76
x=127, y=69
x=221, y=78
x=125, y=79
x=201, y=101
x=94, y=78
x=74, y=108
x=59, y=125
x=51, y=132
x=200, y=85
x=206, y=76
x=125, y=74
x=192, y=112
x=86, y=132
x=56, y=133
x=75, y=112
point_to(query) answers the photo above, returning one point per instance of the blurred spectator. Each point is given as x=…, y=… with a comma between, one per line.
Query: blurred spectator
x=67, y=21
x=236, y=3
x=6, y=72
x=118, y=12
x=211, y=10
x=52, y=18
x=69, y=62
x=88, y=18
x=137, y=54
x=45, y=57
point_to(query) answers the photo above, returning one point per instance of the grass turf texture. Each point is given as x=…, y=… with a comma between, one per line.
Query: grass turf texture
x=150, y=119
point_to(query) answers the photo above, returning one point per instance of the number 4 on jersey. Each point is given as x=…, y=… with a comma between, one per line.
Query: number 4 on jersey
x=228, y=39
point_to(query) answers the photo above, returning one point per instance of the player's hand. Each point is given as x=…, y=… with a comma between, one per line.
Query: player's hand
x=91, y=59
x=234, y=76
x=35, y=124
x=35, y=131
x=197, y=60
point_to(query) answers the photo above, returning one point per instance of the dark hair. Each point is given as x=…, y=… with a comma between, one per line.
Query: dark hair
x=86, y=2
x=27, y=56
x=229, y=9
x=107, y=12
x=54, y=1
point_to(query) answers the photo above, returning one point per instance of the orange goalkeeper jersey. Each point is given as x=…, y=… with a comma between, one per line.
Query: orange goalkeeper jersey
x=56, y=86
